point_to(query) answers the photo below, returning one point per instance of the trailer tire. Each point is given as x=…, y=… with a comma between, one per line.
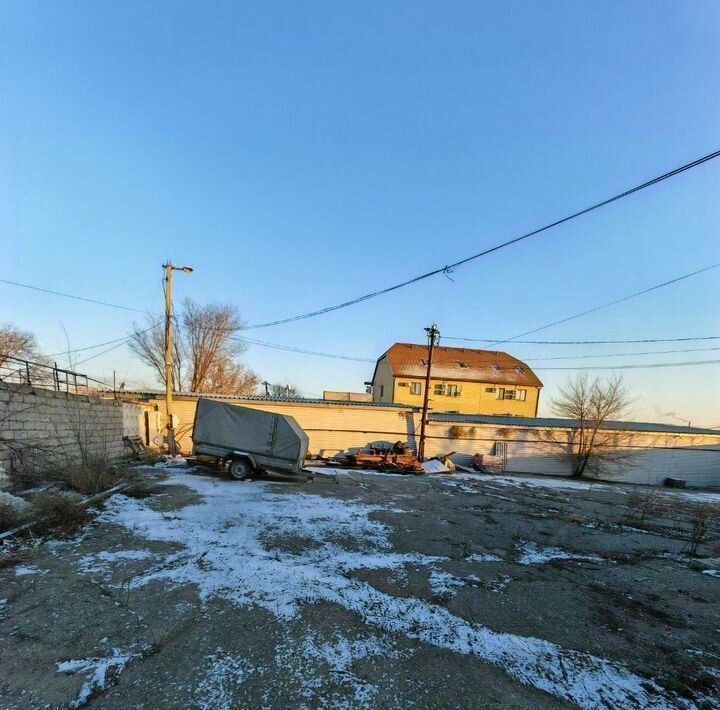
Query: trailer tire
x=240, y=469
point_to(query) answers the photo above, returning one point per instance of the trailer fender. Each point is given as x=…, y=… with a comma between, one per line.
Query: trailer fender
x=242, y=455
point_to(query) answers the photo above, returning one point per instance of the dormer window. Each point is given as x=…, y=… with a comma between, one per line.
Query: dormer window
x=521, y=370
x=497, y=368
x=462, y=364
x=424, y=361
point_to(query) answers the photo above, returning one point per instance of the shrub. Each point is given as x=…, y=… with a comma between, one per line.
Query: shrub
x=458, y=432
x=59, y=511
x=10, y=517
x=91, y=477
x=702, y=518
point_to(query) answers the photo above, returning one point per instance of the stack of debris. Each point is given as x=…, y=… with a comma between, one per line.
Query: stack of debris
x=399, y=459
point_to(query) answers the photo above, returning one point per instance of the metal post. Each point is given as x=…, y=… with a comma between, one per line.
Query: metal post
x=169, y=377
x=432, y=333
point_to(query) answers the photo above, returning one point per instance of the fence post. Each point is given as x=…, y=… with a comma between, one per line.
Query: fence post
x=27, y=371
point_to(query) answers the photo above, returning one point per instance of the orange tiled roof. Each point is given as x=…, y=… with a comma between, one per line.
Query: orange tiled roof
x=409, y=360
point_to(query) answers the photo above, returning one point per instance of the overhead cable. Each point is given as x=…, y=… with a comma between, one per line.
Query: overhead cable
x=448, y=268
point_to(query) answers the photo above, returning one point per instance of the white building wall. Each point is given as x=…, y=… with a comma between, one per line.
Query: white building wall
x=699, y=467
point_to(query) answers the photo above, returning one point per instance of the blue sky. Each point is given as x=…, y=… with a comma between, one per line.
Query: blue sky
x=299, y=154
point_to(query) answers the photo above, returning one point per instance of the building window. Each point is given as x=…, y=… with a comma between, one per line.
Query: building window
x=382, y=390
x=462, y=364
x=489, y=389
x=453, y=391
x=522, y=395
x=497, y=368
x=503, y=393
x=521, y=370
x=415, y=388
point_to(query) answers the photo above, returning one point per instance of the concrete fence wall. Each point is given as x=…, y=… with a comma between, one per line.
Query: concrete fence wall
x=41, y=427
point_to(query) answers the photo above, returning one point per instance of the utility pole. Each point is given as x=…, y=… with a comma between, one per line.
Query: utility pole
x=169, y=341
x=433, y=334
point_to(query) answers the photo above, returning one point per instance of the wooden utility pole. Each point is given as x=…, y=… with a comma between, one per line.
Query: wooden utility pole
x=433, y=334
x=169, y=343
x=169, y=365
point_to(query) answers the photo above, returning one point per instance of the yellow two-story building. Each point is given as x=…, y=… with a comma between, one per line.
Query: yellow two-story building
x=462, y=380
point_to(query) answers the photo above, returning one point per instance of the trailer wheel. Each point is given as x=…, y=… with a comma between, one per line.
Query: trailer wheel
x=240, y=469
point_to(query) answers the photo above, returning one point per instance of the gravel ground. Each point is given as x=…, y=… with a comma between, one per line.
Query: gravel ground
x=360, y=590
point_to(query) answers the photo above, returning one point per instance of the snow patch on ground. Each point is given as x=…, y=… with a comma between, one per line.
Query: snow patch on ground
x=24, y=570
x=694, y=496
x=557, y=483
x=338, y=656
x=101, y=561
x=483, y=557
x=19, y=505
x=712, y=572
x=533, y=554
x=171, y=462
x=99, y=672
x=225, y=555
x=353, y=472
x=444, y=584
x=226, y=673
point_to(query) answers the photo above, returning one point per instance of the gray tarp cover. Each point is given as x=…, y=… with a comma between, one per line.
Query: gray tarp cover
x=246, y=429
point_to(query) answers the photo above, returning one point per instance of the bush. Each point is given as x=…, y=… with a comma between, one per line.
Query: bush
x=458, y=432
x=59, y=511
x=10, y=517
x=91, y=477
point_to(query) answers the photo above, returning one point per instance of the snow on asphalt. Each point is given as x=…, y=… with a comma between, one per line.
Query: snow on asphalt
x=226, y=551
x=533, y=554
x=98, y=673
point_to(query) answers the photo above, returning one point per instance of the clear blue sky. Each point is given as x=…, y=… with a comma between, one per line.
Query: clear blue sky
x=298, y=154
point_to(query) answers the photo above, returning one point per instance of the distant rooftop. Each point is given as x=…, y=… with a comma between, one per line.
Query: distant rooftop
x=158, y=394
x=558, y=423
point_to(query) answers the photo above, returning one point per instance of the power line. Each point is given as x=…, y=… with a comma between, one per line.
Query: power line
x=647, y=352
x=586, y=342
x=89, y=347
x=302, y=351
x=114, y=347
x=450, y=267
x=120, y=341
x=444, y=269
x=635, y=367
x=69, y=295
x=609, y=303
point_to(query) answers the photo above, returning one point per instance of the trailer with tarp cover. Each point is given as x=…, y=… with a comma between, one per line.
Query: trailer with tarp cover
x=248, y=440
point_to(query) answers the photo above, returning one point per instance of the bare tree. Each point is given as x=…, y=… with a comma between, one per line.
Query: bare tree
x=287, y=391
x=593, y=403
x=15, y=342
x=228, y=377
x=149, y=345
x=206, y=357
